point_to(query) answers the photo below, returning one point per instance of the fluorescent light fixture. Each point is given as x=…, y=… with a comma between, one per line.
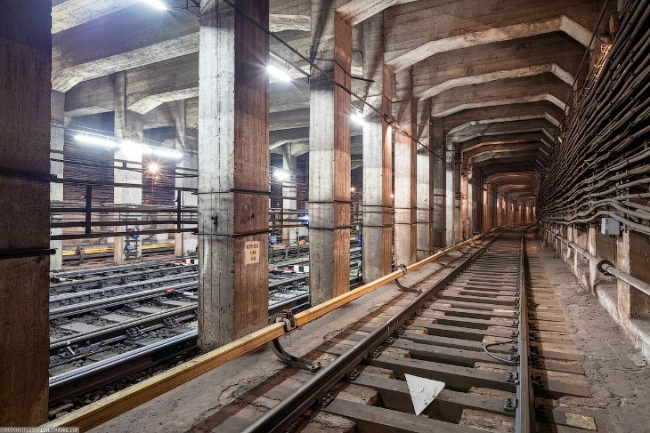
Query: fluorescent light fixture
x=278, y=72
x=281, y=175
x=96, y=140
x=357, y=118
x=156, y=4
x=167, y=153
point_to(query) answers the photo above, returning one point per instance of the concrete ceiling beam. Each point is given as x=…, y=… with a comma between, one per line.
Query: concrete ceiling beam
x=126, y=39
x=357, y=11
x=462, y=130
x=284, y=22
x=549, y=49
x=486, y=130
x=527, y=71
x=502, y=92
x=107, y=44
x=91, y=97
x=513, y=138
x=484, y=115
x=289, y=119
x=405, y=58
x=420, y=30
x=72, y=13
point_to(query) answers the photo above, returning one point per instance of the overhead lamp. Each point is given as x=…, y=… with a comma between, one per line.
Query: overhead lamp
x=153, y=168
x=278, y=72
x=96, y=140
x=357, y=118
x=156, y=4
x=281, y=175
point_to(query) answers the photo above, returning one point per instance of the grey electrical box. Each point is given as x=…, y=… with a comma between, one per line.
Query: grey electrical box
x=610, y=226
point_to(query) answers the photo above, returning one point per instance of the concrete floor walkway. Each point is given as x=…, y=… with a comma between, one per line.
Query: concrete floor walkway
x=618, y=374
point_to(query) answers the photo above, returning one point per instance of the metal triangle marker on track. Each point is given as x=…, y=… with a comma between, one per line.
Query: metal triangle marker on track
x=423, y=391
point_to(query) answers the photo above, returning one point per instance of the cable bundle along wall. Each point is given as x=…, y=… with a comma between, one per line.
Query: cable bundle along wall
x=600, y=168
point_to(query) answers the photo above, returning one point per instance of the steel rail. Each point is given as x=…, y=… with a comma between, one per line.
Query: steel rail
x=282, y=415
x=524, y=412
x=114, y=405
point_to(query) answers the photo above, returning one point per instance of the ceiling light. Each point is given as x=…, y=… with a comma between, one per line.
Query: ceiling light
x=357, y=118
x=281, y=175
x=278, y=72
x=153, y=168
x=157, y=4
x=96, y=140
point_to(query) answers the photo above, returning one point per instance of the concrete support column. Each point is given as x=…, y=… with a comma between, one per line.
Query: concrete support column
x=492, y=206
x=377, y=157
x=184, y=243
x=464, y=205
x=477, y=205
x=329, y=157
x=128, y=126
x=592, y=248
x=486, y=209
x=405, y=171
x=457, y=199
x=510, y=211
x=471, y=204
x=450, y=197
x=289, y=164
x=233, y=171
x=501, y=211
x=424, y=243
x=439, y=179
x=57, y=133
x=631, y=302
x=26, y=51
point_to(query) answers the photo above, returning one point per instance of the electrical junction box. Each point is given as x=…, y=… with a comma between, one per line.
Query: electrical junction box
x=610, y=226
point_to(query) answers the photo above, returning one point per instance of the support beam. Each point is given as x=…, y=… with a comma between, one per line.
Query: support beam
x=377, y=158
x=57, y=130
x=289, y=164
x=450, y=194
x=357, y=11
x=185, y=243
x=501, y=92
x=233, y=171
x=128, y=126
x=465, y=206
x=25, y=48
x=329, y=158
x=632, y=302
x=424, y=220
x=443, y=27
x=439, y=184
x=405, y=170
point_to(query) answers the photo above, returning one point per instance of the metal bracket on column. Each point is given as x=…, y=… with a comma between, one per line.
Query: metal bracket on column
x=289, y=321
x=401, y=286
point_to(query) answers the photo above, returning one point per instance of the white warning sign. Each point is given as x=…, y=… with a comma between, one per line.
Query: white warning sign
x=252, y=253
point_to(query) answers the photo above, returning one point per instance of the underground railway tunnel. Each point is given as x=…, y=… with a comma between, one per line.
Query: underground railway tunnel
x=325, y=215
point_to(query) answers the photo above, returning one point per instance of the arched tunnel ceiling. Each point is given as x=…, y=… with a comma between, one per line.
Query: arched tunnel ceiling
x=495, y=74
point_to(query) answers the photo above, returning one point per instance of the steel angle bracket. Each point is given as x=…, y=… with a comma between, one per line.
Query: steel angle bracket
x=289, y=360
x=402, y=287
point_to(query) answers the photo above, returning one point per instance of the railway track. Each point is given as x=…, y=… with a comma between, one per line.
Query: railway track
x=108, y=323
x=486, y=337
